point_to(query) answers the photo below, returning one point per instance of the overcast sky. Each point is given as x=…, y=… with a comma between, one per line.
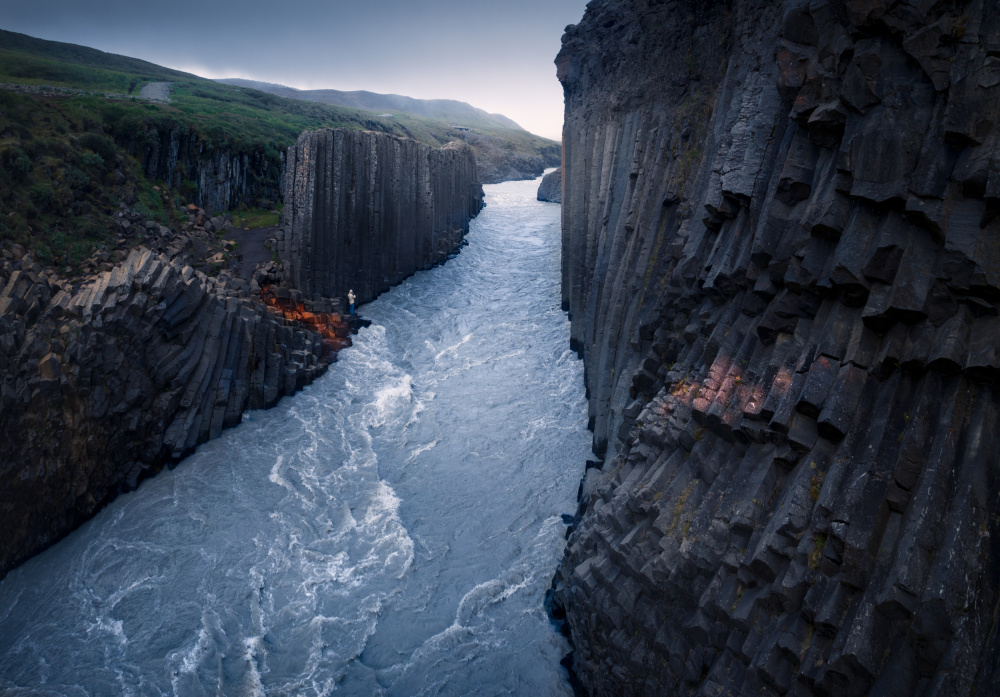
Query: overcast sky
x=494, y=54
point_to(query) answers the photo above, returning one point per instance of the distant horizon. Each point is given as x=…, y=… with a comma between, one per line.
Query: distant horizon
x=498, y=59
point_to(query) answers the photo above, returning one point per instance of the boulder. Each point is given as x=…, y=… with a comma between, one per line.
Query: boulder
x=551, y=187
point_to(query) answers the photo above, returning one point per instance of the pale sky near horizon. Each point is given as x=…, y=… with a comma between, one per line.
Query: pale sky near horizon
x=497, y=56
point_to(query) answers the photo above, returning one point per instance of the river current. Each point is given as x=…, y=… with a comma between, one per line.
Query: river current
x=390, y=530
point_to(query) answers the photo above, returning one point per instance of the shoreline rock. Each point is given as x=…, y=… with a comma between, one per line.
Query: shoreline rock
x=551, y=187
x=105, y=384
x=365, y=210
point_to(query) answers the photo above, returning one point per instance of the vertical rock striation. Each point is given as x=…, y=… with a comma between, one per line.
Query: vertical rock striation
x=102, y=386
x=104, y=382
x=364, y=210
x=781, y=260
x=217, y=176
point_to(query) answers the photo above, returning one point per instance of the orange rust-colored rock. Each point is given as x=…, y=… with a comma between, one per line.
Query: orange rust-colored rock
x=332, y=326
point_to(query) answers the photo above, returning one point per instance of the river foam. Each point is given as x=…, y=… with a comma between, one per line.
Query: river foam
x=391, y=530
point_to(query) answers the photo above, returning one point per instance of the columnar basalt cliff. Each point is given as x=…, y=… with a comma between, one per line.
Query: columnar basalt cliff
x=223, y=179
x=781, y=262
x=105, y=381
x=364, y=210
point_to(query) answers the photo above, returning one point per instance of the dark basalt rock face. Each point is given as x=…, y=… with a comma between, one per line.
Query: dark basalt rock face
x=551, y=187
x=364, y=210
x=782, y=266
x=104, y=382
x=222, y=177
x=103, y=386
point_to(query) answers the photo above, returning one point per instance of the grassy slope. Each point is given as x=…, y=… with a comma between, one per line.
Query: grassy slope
x=58, y=154
x=433, y=131
x=449, y=110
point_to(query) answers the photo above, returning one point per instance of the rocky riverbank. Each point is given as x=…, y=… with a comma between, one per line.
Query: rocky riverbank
x=779, y=225
x=107, y=381
x=499, y=161
x=108, y=376
x=551, y=187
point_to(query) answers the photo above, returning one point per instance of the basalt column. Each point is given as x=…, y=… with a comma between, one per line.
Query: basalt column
x=781, y=229
x=102, y=386
x=365, y=210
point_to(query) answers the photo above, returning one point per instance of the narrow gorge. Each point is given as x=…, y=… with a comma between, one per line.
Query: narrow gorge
x=780, y=259
x=107, y=380
x=390, y=530
x=756, y=309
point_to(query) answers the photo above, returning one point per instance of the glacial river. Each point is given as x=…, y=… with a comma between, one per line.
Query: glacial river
x=390, y=530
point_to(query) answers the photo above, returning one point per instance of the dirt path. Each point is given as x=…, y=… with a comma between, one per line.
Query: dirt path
x=250, y=249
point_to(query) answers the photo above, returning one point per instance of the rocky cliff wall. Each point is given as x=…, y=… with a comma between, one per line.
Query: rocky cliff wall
x=103, y=383
x=781, y=263
x=220, y=179
x=364, y=210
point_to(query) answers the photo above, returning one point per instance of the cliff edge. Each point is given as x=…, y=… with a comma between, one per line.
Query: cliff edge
x=365, y=210
x=105, y=380
x=780, y=225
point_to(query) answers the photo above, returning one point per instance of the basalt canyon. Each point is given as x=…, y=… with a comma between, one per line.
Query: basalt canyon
x=762, y=290
x=106, y=380
x=780, y=260
x=364, y=211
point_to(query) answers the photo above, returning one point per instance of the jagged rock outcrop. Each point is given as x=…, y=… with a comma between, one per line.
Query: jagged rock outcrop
x=364, y=210
x=551, y=187
x=780, y=258
x=103, y=383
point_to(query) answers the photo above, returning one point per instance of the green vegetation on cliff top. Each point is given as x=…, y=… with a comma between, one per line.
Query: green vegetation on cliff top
x=63, y=153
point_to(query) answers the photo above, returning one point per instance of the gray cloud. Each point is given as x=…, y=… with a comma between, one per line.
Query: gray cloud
x=495, y=55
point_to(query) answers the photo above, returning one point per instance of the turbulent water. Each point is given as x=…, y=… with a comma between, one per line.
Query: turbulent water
x=391, y=530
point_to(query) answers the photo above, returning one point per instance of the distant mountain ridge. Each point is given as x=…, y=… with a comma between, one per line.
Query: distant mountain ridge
x=460, y=113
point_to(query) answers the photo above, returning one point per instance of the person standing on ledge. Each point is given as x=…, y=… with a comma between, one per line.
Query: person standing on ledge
x=350, y=300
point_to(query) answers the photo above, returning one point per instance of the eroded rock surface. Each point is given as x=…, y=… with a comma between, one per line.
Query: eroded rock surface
x=781, y=262
x=551, y=187
x=364, y=210
x=104, y=383
x=106, y=379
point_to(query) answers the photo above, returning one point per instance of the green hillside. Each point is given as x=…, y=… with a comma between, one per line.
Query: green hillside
x=69, y=159
x=449, y=110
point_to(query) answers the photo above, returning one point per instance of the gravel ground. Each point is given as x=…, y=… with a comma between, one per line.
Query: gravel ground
x=250, y=249
x=156, y=91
